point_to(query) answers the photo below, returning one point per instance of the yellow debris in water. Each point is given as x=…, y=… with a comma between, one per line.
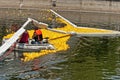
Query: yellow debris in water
x=8, y=36
x=60, y=44
x=69, y=28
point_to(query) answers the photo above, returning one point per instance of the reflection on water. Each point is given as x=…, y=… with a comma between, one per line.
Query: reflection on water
x=41, y=68
x=96, y=59
x=91, y=58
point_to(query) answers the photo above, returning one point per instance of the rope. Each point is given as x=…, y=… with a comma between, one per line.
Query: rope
x=60, y=37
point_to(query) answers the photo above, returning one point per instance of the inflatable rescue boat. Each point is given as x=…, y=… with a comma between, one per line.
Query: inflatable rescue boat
x=32, y=45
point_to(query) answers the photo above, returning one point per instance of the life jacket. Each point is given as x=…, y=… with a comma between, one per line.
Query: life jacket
x=38, y=32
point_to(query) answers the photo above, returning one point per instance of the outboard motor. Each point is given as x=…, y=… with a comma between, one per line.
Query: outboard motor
x=45, y=41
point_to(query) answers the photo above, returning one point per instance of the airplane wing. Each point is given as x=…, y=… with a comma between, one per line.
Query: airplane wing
x=13, y=39
x=39, y=24
x=94, y=32
x=71, y=28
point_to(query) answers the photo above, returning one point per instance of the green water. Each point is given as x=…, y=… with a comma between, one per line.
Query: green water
x=89, y=59
x=97, y=60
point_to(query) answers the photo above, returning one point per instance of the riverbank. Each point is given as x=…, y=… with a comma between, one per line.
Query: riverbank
x=40, y=4
x=81, y=12
x=65, y=5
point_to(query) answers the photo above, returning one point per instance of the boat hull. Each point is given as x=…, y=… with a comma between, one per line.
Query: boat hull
x=33, y=47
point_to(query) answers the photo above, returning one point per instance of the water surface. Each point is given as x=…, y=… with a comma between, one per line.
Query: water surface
x=89, y=58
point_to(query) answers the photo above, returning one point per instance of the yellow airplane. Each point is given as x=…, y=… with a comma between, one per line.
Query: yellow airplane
x=59, y=36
